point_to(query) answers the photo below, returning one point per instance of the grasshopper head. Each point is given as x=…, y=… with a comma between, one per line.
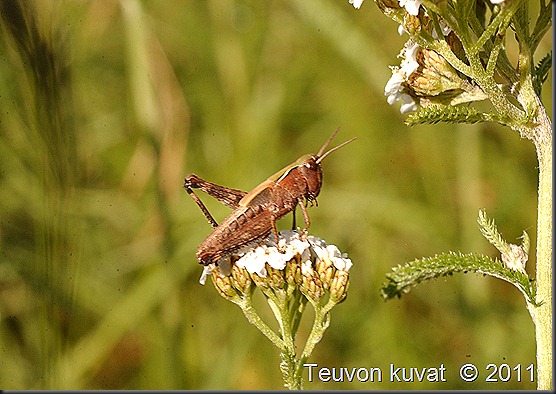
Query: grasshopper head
x=312, y=172
x=311, y=168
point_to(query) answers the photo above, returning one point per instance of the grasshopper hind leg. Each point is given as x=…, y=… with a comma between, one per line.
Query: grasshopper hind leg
x=227, y=196
x=202, y=206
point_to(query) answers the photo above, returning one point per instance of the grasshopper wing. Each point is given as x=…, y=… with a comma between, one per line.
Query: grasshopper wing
x=242, y=227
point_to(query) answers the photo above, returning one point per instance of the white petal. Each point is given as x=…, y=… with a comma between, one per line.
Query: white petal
x=254, y=261
x=409, y=64
x=206, y=272
x=316, y=241
x=333, y=251
x=278, y=260
x=343, y=264
x=408, y=107
x=394, y=84
x=320, y=252
x=411, y=6
x=306, y=255
x=307, y=268
x=356, y=3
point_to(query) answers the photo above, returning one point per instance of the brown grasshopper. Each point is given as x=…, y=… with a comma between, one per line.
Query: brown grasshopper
x=255, y=213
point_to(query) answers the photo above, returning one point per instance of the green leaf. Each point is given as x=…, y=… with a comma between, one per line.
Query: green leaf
x=480, y=13
x=544, y=22
x=404, y=277
x=463, y=10
x=445, y=113
x=490, y=232
x=541, y=73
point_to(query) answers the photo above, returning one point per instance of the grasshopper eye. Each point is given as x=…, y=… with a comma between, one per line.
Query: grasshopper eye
x=311, y=165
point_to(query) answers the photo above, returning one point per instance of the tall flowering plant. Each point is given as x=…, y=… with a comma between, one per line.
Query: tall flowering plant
x=455, y=57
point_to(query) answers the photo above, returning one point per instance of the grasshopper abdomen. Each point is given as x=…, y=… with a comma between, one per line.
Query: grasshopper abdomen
x=244, y=226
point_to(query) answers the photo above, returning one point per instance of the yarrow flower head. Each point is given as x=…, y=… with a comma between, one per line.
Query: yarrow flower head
x=296, y=270
x=313, y=266
x=424, y=77
x=396, y=88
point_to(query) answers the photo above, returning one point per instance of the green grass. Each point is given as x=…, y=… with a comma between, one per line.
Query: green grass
x=106, y=106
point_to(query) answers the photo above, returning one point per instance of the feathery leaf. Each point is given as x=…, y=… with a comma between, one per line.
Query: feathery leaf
x=404, y=277
x=445, y=113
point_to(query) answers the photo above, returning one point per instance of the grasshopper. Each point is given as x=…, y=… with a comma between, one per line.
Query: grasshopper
x=255, y=213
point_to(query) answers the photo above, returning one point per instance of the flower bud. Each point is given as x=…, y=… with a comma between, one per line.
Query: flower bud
x=339, y=286
x=434, y=75
x=260, y=281
x=241, y=279
x=223, y=285
x=293, y=272
x=311, y=285
x=411, y=24
x=275, y=277
x=325, y=269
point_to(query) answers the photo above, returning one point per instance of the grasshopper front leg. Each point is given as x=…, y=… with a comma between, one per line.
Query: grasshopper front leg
x=305, y=231
x=225, y=195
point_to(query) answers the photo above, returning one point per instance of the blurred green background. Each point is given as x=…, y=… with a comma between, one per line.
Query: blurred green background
x=106, y=106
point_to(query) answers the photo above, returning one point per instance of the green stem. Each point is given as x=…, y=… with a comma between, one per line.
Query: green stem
x=541, y=135
x=280, y=307
x=542, y=315
x=320, y=324
x=286, y=320
x=253, y=318
x=297, y=306
x=290, y=367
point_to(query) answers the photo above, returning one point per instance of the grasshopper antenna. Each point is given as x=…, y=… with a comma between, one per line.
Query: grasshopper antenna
x=333, y=149
x=321, y=150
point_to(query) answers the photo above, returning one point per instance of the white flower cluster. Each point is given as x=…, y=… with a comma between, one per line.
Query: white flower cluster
x=411, y=6
x=254, y=260
x=394, y=89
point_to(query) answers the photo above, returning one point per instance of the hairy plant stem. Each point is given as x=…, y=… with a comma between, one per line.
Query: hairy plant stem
x=247, y=307
x=542, y=315
x=288, y=317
